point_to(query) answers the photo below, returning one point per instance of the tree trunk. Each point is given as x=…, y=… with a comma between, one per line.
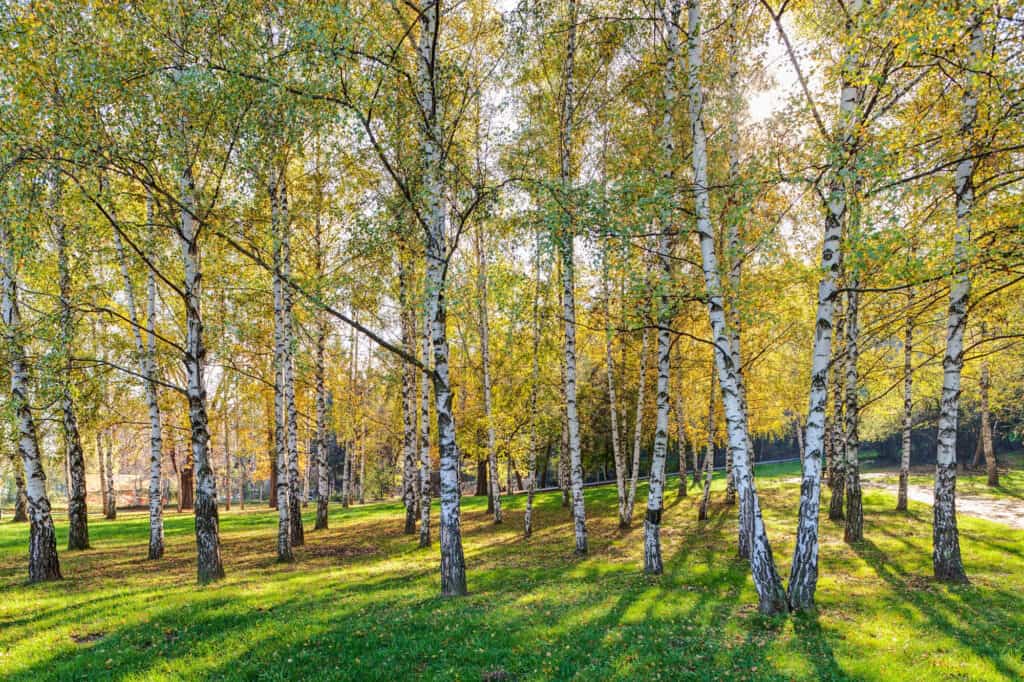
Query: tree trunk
x=709, y=451
x=948, y=565
x=323, y=403
x=803, y=579
x=453, y=563
x=20, y=494
x=282, y=473
x=111, y=511
x=78, y=520
x=681, y=438
x=766, y=580
x=617, y=449
x=566, y=249
x=986, y=426
x=410, y=453
x=908, y=404
x=854, y=531
x=652, y=523
x=485, y=365
x=207, y=521
x=424, y=440
x=837, y=435
x=531, y=475
x=43, y=563
x=227, y=460
x=638, y=425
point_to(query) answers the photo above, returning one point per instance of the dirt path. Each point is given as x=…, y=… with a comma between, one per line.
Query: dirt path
x=1009, y=511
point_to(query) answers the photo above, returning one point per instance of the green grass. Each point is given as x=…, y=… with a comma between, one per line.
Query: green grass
x=361, y=602
x=974, y=482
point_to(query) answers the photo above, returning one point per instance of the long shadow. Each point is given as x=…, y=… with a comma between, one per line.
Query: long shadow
x=975, y=620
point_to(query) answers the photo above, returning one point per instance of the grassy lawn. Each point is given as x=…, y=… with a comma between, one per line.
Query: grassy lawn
x=975, y=482
x=361, y=601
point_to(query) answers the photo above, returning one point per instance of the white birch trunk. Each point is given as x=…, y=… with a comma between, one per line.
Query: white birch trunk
x=566, y=248
x=766, y=580
x=207, y=521
x=531, y=475
x=424, y=440
x=78, y=521
x=985, y=435
x=111, y=512
x=836, y=434
x=288, y=325
x=146, y=358
x=410, y=455
x=681, y=439
x=709, y=452
x=653, y=564
x=617, y=447
x=638, y=426
x=804, y=571
x=485, y=363
x=854, y=529
x=908, y=403
x=948, y=565
x=43, y=563
x=284, y=532
x=453, y=563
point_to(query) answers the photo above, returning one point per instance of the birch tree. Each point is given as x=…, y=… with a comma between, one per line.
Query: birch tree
x=78, y=521
x=947, y=564
x=43, y=563
x=771, y=597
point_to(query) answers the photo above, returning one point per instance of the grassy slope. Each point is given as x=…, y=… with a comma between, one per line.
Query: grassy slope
x=360, y=602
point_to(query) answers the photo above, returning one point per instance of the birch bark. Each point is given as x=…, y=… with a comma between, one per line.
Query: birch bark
x=43, y=563
x=207, y=521
x=566, y=247
x=281, y=482
x=671, y=10
x=485, y=364
x=453, y=563
x=908, y=404
x=803, y=577
x=947, y=564
x=78, y=520
x=766, y=580
x=146, y=358
x=634, y=472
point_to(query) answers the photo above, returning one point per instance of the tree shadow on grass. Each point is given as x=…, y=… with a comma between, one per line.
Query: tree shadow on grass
x=974, y=617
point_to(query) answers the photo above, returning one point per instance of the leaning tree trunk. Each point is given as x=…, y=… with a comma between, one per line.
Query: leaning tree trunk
x=638, y=424
x=207, y=520
x=947, y=564
x=652, y=523
x=566, y=248
x=986, y=426
x=78, y=519
x=43, y=563
x=281, y=482
x=453, y=563
x=146, y=358
x=771, y=596
x=485, y=365
x=908, y=404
